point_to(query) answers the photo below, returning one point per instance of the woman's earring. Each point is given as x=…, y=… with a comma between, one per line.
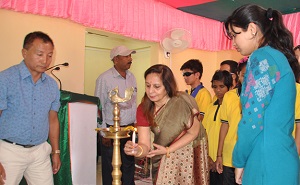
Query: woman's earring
x=254, y=35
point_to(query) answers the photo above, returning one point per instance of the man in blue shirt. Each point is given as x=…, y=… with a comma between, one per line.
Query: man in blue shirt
x=29, y=102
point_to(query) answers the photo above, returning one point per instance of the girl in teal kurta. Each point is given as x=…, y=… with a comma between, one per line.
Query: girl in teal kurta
x=265, y=152
x=265, y=146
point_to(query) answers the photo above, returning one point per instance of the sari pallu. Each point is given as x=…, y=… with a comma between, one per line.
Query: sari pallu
x=189, y=164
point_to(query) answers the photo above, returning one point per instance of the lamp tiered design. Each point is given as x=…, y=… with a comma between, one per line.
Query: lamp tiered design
x=116, y=132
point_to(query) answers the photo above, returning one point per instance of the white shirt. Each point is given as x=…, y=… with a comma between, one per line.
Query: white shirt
x=109, y=80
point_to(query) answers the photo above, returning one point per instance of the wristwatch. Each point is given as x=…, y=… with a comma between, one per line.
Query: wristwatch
x=56, y=152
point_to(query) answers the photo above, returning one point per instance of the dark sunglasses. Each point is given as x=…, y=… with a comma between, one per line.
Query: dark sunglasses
x=187, y=74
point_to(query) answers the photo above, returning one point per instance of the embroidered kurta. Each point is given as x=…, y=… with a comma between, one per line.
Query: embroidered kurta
x=265, y=147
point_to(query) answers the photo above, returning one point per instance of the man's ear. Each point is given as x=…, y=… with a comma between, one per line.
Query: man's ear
x=24, y=53
x=235, y=77
x=198, y=75
x=115, y=59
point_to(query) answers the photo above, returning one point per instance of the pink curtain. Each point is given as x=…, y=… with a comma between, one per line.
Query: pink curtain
x=140, y=19
x=292, y=22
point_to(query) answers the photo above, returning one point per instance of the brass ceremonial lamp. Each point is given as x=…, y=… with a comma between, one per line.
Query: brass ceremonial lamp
x=116, y=132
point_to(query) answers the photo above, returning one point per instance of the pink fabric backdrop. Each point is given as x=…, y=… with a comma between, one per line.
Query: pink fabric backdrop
x=140, y=19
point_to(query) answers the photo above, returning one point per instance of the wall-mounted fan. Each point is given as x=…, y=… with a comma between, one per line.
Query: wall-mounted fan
x=175, y=41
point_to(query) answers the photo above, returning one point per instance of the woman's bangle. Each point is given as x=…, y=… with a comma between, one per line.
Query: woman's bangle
x=168, y=152
x=142, y=151
x=219, y=156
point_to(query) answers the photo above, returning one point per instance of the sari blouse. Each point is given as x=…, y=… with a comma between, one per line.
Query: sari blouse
x=172, y=119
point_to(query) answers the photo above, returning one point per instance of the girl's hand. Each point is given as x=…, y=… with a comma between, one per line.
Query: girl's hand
x=239, y=175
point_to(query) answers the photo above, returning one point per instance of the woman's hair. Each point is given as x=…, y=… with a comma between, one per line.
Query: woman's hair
x=270, y=22
x=169, y=83
x=223, y=76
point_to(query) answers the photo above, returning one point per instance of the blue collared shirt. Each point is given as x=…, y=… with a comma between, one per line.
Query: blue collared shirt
x=104, y=84
x=25, y=105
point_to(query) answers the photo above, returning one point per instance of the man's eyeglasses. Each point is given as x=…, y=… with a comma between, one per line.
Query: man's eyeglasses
x=188, y=73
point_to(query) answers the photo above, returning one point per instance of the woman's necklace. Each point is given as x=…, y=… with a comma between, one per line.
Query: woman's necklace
x=156, y=112
x=159, y=110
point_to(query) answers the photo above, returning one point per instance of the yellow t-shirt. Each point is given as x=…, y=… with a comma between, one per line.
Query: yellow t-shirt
x=212, y=124
x=203, y=99
x=230, y=113
x=297, y=107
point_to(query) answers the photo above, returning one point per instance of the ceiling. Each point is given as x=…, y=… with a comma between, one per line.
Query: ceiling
x=220, y=9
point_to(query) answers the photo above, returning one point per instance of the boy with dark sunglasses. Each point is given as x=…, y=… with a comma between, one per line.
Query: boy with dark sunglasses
x=192, y=71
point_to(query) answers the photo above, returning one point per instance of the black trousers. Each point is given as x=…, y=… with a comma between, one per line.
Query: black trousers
x=228, y=176
x=127, y=167
x=216, y=178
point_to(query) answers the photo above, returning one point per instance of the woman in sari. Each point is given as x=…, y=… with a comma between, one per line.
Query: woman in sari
x=179, y=155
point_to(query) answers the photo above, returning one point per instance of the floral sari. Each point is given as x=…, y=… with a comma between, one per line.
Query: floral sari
x=189, y=164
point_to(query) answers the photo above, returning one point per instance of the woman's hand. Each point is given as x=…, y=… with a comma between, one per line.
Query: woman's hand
x=131, y=148
x=159, y=150
x=239, y=175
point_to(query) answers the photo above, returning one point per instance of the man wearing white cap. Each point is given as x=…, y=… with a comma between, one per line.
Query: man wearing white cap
x=117, y=76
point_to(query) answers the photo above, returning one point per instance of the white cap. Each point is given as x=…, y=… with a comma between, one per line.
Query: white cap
x=121, y=50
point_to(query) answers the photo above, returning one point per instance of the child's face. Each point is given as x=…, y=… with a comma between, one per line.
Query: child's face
x=242, y=74
x=219, y=89
x=297, y=53
x=190, y=77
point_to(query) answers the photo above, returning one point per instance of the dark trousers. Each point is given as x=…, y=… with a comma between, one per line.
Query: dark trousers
x=228, y=176
x=216, y=178
x=127, y=167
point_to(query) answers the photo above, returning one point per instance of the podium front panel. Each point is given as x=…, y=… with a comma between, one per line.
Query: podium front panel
x=83, y=142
